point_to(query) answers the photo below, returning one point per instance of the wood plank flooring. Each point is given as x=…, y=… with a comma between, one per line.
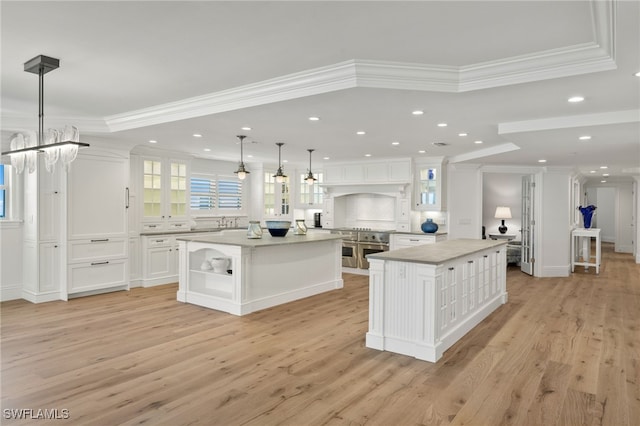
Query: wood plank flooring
x=560, y=352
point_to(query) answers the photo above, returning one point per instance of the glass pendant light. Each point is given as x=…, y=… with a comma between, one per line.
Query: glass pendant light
x=242, y=171
x=310, y=179
x=280, y=176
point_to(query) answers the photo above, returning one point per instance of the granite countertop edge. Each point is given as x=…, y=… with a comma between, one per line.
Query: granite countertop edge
x=438, y=253
x=240, y=239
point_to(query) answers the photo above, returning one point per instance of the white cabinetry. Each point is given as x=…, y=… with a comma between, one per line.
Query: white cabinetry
x=165, y=194
x=43, y=235
x=328, y=212
x=97, y=253
x=159, y=260
x=277, y=198
x=392, y=171
x=403, y=215
x=429, y=185
x=398, y=241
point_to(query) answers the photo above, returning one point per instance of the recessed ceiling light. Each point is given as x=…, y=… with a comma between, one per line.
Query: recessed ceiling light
x=592, y=171
x=542, y=161
x=605, y=174
x=637, y=74
x=247, y=128
x=462, y=134
x=207, y=150
x=395, y=143
x=367, y=155
x=604, y=167
x=326, y=158
x=478, y=142
x=603, y=181
x=442, y=124
x=422, y=151
x=197, y=135
x=417, y=112
x=249, y=156
x=314, y=118
x=153, y=141
x=285, y=161
x=584, y=138
x=575, y=99
x=361, y=132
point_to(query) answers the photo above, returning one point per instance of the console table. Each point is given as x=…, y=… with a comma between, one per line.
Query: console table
x=581, y=244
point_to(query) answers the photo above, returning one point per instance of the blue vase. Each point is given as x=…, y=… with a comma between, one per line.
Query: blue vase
x=429, y=226
x=587, y=214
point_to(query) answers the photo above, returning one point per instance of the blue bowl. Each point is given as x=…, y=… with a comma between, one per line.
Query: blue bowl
x=278, y=228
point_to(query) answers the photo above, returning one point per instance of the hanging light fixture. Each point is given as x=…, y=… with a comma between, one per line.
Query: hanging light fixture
x=310, y=179
x=280, y=176
x=241, y=172
x=58, y=144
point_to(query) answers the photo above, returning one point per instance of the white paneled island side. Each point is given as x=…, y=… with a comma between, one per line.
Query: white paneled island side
x=424, y=299
x=254, y=274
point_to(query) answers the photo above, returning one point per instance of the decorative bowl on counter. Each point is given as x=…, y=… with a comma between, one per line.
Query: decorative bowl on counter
x=219, y=264
x=278, y=228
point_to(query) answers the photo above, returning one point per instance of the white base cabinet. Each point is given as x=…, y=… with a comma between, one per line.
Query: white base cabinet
x=421, y=309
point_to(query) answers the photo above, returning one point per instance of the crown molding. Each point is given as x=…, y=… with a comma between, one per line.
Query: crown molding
x=485, y=152
x=12, y=121
x=551, y=123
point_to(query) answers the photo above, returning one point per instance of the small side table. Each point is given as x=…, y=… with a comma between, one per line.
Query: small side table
x=582, y=237
x=508, y=237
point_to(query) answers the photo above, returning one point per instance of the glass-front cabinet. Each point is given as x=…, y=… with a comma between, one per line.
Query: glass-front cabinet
x=429, y=193
x=277, y=199
x=164, y=194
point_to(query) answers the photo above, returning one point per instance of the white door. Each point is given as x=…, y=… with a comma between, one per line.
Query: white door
x=528, y=224
x=625, y=218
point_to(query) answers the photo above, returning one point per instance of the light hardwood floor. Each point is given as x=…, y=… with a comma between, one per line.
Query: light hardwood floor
x=560, y=352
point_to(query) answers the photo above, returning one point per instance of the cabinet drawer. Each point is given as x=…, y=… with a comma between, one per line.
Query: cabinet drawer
x=415, y=240
x=159, y=241
x=176, y=226
x=97, y=275
x=157, y=226
x=97, y=249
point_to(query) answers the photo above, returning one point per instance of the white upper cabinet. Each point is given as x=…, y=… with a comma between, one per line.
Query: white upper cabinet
x=392, y=171
x=165, y=193
x=429, y=185
x=277, y=198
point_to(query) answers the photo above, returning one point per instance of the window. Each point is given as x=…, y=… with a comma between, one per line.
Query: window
x=310, y=194
x=215, y=194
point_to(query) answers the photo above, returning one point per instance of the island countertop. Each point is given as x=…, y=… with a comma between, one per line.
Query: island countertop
x=240, y=239
x=438, y=253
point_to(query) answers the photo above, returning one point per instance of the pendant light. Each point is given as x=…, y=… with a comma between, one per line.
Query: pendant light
x=310, y=179
x=241, y=172
x=280, y=176
x=59, y=144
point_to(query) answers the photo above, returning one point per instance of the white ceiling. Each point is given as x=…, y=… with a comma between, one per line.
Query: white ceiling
x=499, y=71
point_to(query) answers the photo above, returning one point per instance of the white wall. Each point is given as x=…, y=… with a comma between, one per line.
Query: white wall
x=464, y=200
x=502, y=189
x=554, y=227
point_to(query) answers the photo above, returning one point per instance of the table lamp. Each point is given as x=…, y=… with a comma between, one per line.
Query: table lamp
x=503, y=213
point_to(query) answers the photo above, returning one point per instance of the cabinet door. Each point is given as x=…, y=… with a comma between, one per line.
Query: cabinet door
x=177, y=187
x=429, y=187
x=49, y=267
x=48, y=205
x=159, y=262
x=152, y=185
x=97, y=197
x=276, y=197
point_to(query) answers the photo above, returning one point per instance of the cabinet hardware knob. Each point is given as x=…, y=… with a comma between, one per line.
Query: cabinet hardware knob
x=451, y=268
x=486, y=255
x=56, y=246
x=469, y=261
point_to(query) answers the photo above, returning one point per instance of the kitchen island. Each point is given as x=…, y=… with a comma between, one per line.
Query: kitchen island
x=256, y=273
x=424, y=299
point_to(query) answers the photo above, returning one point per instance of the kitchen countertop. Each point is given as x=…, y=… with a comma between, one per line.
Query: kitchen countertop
x=186, y=231
x=438, y=253
x=240, y=239
x=419, y=233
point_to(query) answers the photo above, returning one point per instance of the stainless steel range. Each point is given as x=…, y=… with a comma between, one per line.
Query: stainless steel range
x=359, y=242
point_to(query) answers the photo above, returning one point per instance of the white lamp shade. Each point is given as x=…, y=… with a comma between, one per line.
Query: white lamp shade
x=503, y=213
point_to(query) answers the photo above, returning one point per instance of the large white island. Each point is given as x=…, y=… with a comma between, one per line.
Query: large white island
x=423, y=299
x=261, y=272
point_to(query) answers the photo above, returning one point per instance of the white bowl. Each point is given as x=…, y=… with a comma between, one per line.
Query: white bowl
x=219, y=264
